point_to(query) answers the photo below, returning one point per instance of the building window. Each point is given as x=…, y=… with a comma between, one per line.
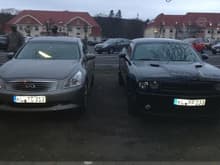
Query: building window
x=69, y=29
x=218, y=31
x=36, y=28
x=209, y=31
x=20, y=27
x=78, y=22
x=164, y=30
x=78, y=28
x=171, y=30
x=78, y=34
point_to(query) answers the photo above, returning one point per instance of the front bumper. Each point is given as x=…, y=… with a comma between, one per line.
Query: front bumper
x=162, y=104
x=55, y=101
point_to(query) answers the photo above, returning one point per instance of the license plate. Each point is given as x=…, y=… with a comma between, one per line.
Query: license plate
x=190, y=103
x=29, y=99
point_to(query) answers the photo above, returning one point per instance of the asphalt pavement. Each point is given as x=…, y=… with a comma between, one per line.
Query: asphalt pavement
x=106, y=132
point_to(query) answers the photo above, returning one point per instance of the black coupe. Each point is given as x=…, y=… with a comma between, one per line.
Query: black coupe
x=167, y=77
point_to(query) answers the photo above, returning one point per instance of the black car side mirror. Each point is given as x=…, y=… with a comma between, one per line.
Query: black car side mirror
x=10, y=55
x=122, y=55
x=205, y=57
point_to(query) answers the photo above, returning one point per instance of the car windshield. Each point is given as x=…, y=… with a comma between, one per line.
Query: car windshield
x=49, y=51
x=109, y=41
x=165, y=52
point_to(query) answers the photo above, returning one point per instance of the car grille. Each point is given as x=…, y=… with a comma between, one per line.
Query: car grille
x=189, y=88
x=32, y=86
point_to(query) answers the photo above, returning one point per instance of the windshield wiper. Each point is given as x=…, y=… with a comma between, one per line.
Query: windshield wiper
x=148, y=59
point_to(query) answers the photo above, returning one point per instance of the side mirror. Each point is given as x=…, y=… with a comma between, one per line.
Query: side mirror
x=122, y=55
x=90, y=57
x=205, y=57
x=10, y=55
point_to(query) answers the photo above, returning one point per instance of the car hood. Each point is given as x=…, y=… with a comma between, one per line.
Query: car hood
x=43, y=69
x=177, y=70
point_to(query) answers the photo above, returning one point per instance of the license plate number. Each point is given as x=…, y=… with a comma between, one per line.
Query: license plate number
x=190, y=103
x=29, y=99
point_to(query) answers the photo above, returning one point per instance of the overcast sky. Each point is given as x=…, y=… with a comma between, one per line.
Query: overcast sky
x=130, y=8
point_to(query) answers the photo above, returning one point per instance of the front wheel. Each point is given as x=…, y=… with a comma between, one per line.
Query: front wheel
x=133, y=108
x=120, y=79
x=111, y=51
x=84, y=105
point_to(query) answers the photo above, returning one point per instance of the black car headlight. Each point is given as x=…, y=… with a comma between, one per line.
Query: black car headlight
x=74, y=81
x=149, y=85
x=2, y=84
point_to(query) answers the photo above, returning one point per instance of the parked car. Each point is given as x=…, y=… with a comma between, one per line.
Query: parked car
x=197, y=43
x=215, y=48
x=92, y=43
x=47, y=74
x=3, y=42
x=167, y=77
x=112, y=45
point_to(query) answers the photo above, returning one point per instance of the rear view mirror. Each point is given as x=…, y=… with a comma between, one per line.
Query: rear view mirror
x=10, y=55
x=90, y=57
x=205, y=57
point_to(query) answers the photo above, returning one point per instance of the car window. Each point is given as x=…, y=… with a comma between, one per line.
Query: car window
x=165, y=52
x=46, y=50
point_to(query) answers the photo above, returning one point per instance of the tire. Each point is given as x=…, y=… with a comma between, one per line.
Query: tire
x=92, y=81
x=111, y=51
x=84, y=105
x=133, y=108
x=120, y=79
x=99, y=52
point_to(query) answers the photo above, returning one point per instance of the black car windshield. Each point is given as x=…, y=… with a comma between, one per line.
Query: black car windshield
x=109, y=41
x=49, y=51
x=165, y=52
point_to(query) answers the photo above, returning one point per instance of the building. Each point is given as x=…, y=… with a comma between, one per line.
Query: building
x=204, y=25
x=76, y=24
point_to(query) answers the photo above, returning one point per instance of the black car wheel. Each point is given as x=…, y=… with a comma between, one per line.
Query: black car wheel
x=111, y=51
x=99, y=52
x=132, y=105
x=120, y=79
x=92, y=81
x=213, y=51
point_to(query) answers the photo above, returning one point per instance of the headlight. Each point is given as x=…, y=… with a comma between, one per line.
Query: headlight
x=149, y=85
x=76, y=80
x=143, y=85
x=2, y=84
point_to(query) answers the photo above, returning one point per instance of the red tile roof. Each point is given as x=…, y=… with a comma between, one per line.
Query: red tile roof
x=201, y=19
x=58, y=17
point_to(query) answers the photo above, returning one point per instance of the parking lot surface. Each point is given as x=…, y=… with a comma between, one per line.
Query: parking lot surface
x=106, y=132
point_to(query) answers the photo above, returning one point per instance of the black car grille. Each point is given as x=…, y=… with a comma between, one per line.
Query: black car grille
x=189, y=88
x=32, y=86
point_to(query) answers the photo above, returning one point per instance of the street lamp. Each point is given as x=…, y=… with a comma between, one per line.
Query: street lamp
x=212, y=30
x=85, y=36
x=176, y=28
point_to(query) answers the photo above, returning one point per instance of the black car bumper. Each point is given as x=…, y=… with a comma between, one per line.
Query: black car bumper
x=55, y=101
x=159, y=104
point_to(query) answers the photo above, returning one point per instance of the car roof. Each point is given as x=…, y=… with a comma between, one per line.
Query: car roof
x=55, y=39
x=161, y=40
